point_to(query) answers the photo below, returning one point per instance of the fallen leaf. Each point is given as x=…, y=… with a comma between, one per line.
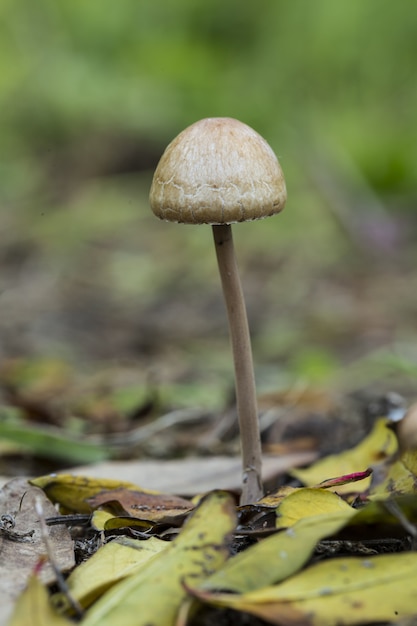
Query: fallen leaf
x=104, y=520
x=273, y=499
x=279, y=556
x=155, y=594
x=309, y=502
x=34, y=608
x=142, y=505
x=18, y=558
x=319, y=504
x=112, y=562
x=396, y=477
x=275, y=558
x=380, y=444
x=346, y=479
x=387, y=512
x=338, y=591
x=191, y=476
x=49, y=441
x=72, y=492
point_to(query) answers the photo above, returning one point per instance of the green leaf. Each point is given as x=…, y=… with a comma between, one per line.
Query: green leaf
x=52, y=443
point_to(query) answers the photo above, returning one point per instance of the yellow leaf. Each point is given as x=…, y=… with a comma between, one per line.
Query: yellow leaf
x=409, y=459
x=104, y=520
x=71, y=492
x=112, y=562
x=33, y=608
x=309, y=502
x=100, y=518
x=154, y=595
x=380, y=444
x=398, y=477
x=387, y=512
x=273, y=499
x=276, y=557
x=280, y=556
x=338, y=591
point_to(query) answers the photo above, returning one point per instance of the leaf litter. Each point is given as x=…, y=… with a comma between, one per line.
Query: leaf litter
x=308, y=554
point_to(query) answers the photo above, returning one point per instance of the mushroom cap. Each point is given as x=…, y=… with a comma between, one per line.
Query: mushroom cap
x=217, y=171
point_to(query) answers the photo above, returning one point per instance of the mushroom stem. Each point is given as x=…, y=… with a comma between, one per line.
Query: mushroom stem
x=243, y=362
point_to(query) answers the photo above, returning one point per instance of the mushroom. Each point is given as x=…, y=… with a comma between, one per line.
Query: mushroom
x=219, y=171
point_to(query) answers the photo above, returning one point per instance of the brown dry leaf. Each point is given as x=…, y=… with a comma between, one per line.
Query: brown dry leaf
x=338, y=591
x=34, y=608
x=142, y=505
x=72, y=492
x=18, y=558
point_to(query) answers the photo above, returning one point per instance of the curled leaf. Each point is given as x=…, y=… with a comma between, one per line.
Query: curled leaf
x=72, y=492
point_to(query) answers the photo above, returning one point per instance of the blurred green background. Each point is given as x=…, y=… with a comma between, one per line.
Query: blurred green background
x=91, y=93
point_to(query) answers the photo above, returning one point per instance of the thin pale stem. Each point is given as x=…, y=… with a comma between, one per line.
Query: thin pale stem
x=243, y=362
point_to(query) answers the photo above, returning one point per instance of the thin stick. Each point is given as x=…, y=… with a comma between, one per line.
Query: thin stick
x=243, y=362
x=60, y=580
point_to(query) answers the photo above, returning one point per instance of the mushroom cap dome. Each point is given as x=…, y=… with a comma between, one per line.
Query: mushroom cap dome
x=217, y=171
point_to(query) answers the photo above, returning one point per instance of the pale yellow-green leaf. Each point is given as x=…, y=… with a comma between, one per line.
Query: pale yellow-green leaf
x=105, y=520
x=338, y=591
x=409, y=458
x=387, y=511
x=398, y=477
x=71, y=492
x=276, y=557
x=33, y=608
x=155, y=594
x=112, y=562
x=99, y=519
x=309, y=502
x=273, y=499
x=280, y=556
x=380, y=444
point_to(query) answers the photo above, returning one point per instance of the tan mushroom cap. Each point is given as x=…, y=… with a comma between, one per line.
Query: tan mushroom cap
x=217, y=171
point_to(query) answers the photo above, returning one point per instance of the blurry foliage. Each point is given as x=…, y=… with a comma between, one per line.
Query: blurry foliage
x=294, y=70
x=91, y=92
